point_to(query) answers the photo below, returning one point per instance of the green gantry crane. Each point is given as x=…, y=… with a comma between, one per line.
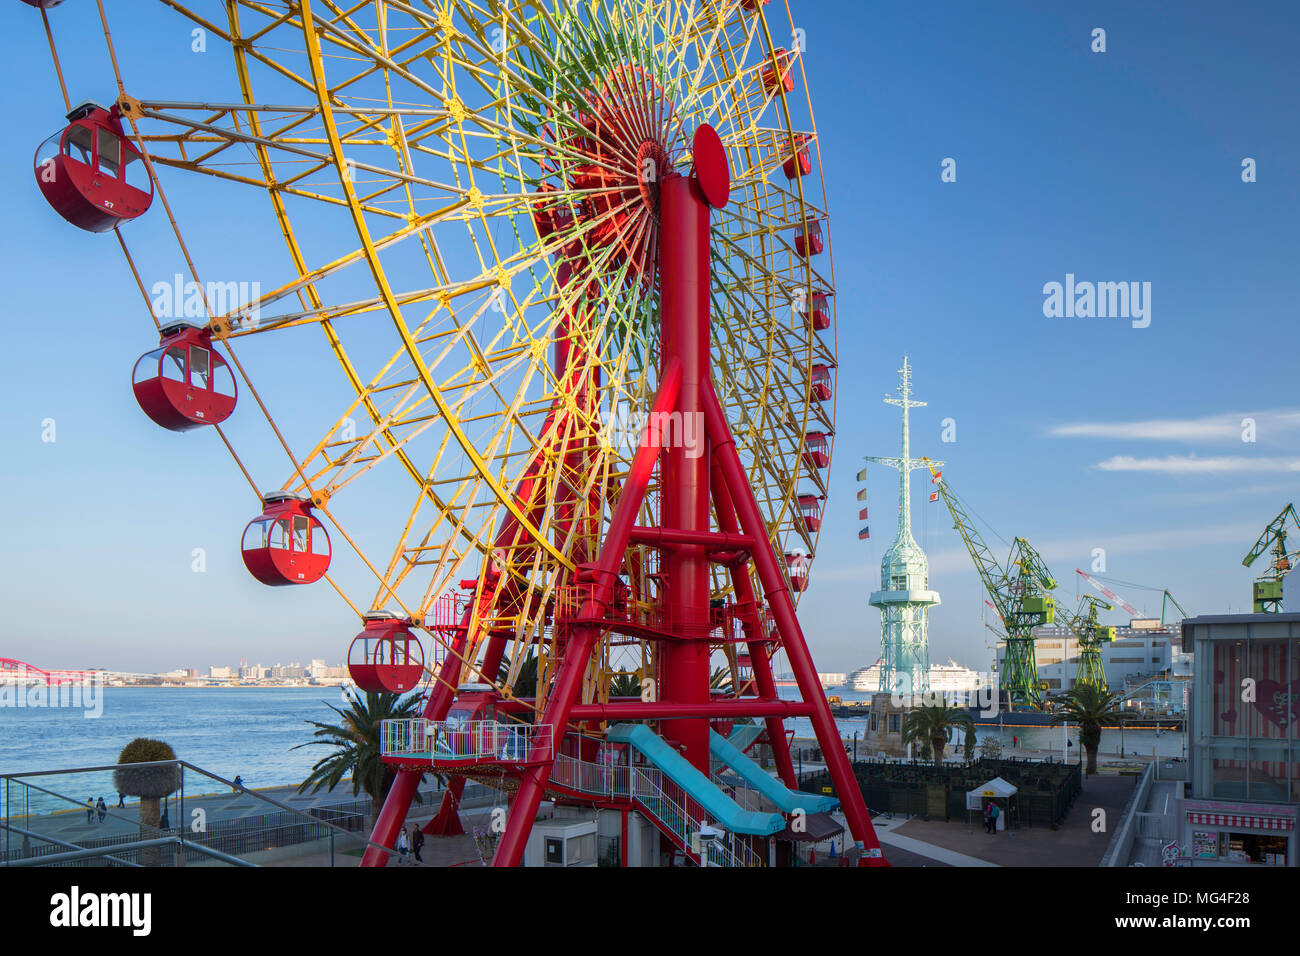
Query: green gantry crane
x=1091, y=635
x=1020, y=591
x=1268, y=588
x=1164, y=606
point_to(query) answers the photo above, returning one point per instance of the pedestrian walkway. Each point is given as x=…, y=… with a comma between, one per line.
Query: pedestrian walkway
x=1080, y=840
x=886, y=835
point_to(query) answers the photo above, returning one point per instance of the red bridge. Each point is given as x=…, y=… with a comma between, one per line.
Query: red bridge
x=12, y=670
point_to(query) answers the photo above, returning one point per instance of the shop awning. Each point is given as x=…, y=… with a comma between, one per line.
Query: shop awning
x=816, y=828
x=1244, y=821
x=997, y=788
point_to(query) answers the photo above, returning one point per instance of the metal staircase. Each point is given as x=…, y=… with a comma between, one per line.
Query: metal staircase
x=674, y=812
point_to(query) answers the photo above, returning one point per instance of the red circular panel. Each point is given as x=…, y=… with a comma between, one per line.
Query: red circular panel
x=711, y=166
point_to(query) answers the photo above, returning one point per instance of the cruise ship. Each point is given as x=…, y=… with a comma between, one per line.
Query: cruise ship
x=943, y=677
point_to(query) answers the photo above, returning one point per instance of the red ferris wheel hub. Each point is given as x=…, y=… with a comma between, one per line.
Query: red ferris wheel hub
x=652, y=164
x=614, y=150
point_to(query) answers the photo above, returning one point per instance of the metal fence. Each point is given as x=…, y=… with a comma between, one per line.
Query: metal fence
x=36, y=816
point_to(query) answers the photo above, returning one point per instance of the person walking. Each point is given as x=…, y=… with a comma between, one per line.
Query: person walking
x=101, y=808
x=993, y=817
x=121, y=799
x=238, y=785
x=90, y=809
x=402, y=844
x=417, y=843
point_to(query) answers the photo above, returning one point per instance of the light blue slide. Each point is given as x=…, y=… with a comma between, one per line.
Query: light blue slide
x=744, y=735
x=788, y=800
x=720, y=807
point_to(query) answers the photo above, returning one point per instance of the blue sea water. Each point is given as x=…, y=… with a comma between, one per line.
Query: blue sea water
x=244, y=731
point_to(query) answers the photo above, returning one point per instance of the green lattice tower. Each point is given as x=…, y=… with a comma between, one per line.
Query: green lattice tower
x=905, y=597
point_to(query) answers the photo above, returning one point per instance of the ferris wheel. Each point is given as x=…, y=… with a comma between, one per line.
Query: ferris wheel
x=485, y=172
x=468, y=198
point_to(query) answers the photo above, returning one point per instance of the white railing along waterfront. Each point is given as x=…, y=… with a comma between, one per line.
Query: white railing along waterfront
x=478, y=741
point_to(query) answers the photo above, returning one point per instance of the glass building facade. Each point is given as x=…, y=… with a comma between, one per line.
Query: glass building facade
x=1244, y=739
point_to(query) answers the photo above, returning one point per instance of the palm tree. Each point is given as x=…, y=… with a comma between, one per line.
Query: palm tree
x=357, y=746
x=625, y=684
x=931, y=723
x=525, y=684
x=1092, y=709
x=150, y=784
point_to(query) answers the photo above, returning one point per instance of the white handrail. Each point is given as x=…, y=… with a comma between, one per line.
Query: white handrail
x=459, y=741
x=666, y=802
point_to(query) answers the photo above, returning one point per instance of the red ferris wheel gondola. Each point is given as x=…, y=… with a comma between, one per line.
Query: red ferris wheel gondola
x=386, y=657
x=91, y=174
x=810, y=512
x=821, y=312
x=779, y=75
x=808, y=240
x=184, y=383
x=821, y=381
x=816, y=452
x=286, y=544
x=798, y=163
x=797, y=565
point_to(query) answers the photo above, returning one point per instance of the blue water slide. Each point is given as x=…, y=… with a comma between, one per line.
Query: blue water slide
x=748, y=770
x=720, y=807
x=744, y=735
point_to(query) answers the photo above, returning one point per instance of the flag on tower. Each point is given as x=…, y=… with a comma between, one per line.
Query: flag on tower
x=934, y=496
x=862, y=475
x=864, y=534
x=862, y=515
x=937, y=476
x=862, y=494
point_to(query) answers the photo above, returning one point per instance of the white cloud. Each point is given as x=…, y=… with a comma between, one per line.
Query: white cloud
x=1192, y=464
x=1225, y=427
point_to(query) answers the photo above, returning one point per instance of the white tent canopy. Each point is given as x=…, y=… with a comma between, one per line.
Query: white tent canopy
x=997, y=789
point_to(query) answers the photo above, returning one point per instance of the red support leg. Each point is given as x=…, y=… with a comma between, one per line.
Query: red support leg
x=622, y=843
x=792, y=640
x=568, y=680
x=757, y=643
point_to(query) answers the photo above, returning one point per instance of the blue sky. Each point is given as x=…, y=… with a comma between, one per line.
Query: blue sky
x=1078, y=433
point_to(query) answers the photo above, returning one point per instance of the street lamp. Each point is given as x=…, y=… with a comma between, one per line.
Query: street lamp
x=708, y=836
